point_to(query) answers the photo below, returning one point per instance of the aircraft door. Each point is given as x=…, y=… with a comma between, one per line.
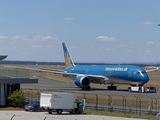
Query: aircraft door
x=130, y=72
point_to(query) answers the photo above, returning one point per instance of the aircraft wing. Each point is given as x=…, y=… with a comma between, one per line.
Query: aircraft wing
x=64, y=73
x=152, y=70
x=85, y=75
x=35, y=69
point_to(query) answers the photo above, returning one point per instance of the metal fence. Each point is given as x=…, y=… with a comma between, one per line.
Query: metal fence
x=108, y=102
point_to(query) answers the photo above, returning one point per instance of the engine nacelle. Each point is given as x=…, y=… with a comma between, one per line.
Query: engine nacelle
x=82, y=81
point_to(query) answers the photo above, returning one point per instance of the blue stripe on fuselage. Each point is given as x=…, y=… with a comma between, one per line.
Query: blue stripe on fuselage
x=126, y=72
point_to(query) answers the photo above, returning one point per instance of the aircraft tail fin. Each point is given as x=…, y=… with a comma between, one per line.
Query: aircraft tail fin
x=67, y=56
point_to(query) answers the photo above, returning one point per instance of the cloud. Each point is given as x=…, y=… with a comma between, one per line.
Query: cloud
x=36, y=46
x=48, y=37
x=73, y=47
x=38, y=37
x=105, y=38
x=128, y=51
x=35, y=38
x=150, y=43
x=3, y=37
x=122, y=45
x=111, y=49
x=147, y=22
x=18, y=37
x=147, y=51
x=68, y=18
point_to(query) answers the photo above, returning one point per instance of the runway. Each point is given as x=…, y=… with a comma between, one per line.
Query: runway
x=51, y=84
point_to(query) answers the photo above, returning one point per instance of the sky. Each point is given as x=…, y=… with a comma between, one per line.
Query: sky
x=111, y=31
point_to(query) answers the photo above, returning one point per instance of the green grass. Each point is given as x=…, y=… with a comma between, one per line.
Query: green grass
x=118, y=114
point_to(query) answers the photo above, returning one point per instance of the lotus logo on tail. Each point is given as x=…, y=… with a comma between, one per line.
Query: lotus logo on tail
x=67, y=57
x=68, y=60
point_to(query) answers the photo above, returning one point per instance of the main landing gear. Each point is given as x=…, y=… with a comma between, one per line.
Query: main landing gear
x=86, y=88
x=112, y=87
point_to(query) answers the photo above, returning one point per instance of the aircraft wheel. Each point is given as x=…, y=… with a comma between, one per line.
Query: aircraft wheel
x=129, y=89
x=140, y=90
x=109, y=87
x=112, y=88
x=86, y=88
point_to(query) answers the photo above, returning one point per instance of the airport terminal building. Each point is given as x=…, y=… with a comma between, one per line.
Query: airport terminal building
x=10, y=81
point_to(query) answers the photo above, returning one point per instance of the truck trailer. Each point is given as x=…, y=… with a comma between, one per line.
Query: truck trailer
x=58, y=102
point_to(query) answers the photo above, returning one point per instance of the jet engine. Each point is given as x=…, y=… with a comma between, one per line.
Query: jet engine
x=82, y=81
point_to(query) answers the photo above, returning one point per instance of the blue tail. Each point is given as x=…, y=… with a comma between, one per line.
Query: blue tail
x=67, y=57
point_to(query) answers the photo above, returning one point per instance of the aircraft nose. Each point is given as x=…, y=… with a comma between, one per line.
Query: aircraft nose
x=145, y=78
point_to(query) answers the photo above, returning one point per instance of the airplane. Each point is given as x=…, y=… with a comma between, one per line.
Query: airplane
x=103, y=74
x=83, y=75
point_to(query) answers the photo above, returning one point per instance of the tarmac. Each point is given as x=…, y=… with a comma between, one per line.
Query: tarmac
x=23, y=115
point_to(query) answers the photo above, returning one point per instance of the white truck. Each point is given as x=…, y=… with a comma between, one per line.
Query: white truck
x=141, y=89
x=58, y=102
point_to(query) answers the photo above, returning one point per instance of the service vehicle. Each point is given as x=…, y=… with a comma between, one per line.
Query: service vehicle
x=141, y=89
x=58, y=102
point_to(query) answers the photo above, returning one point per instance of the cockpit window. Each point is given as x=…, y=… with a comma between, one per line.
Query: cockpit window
x=144, y=73
x=140, y=72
